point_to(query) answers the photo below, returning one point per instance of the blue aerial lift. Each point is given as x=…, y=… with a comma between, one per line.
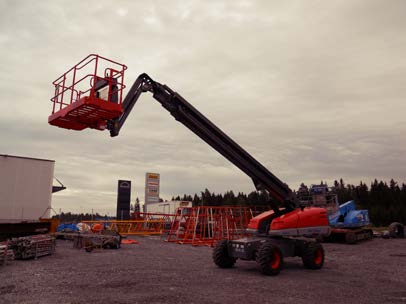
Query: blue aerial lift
x=347, y=224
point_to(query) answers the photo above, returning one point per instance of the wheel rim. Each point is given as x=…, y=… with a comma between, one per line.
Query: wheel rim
x=318, y=257
x=276, y=260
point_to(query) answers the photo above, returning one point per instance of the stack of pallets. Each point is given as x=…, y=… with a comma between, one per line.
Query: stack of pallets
x=6, y=254
x=32, y=246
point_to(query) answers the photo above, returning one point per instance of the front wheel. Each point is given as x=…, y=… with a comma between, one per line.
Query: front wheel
x=313, y=256
x=221, y=256
x=270, y=259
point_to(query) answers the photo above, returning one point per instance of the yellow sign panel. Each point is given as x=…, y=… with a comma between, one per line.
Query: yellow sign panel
x=151, y=187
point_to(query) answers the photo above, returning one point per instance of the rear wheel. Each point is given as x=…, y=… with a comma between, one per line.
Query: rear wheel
x=221, y=257
x=313, y=256
x=270, y=259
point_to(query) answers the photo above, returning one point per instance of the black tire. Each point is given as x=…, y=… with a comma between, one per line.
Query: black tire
x=396, y=230
x=350, y=237
x=221, y=257
x=313, y=255
x=270, y=259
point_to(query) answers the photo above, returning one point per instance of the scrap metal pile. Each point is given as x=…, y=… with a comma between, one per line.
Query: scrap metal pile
x=105, y=239
x=90, y=237
x=32, y=246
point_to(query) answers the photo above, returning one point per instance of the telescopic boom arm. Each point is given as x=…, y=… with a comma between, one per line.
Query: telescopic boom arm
x=185, y=113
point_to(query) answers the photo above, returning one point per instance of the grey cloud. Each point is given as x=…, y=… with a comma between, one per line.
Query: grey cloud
x=312, y=90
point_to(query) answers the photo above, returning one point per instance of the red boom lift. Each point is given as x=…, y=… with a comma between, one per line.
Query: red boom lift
x=90, y=96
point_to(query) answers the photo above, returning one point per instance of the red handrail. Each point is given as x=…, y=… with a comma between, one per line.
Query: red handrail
x=78, y=79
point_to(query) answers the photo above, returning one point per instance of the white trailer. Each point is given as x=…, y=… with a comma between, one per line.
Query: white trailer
x=25, y=188
x=168, y=207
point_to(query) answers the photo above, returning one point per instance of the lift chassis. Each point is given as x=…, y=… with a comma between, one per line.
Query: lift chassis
x=268, y=252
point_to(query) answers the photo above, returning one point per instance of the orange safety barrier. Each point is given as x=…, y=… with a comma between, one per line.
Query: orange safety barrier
x=166, y=218
x=132, y=227
x=206, y=224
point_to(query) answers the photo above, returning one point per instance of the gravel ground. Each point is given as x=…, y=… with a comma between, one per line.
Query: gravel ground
x=155, y=271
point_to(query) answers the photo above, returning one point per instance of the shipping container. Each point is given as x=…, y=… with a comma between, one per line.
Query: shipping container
x=168, y=207
x=25, y=188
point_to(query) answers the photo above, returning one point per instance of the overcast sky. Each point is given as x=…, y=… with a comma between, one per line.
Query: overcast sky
x=314, y=90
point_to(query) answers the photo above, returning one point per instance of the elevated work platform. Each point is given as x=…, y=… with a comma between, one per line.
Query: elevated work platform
x=88, y=94
x=85, y=113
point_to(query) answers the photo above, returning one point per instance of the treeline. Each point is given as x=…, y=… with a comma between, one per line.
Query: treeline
x=207, y=198
x=69, y=217
x=386, y=202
